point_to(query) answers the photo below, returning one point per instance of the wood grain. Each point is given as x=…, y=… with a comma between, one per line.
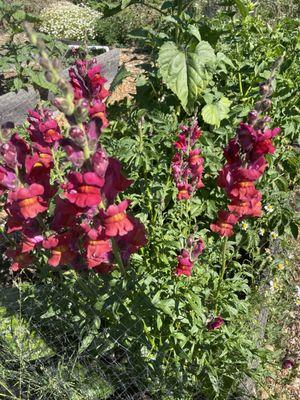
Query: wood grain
x=14, y=106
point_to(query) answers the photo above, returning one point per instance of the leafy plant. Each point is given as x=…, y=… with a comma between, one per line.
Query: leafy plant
x=17, y=64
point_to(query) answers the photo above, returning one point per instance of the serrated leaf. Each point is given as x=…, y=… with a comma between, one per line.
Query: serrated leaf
x=184, y=72
x=215, y=112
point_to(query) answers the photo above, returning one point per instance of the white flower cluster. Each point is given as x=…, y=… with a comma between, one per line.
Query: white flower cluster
x=69, y=21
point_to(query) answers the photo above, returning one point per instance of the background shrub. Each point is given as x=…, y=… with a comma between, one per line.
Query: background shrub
x=115, y=30
x=69, y=21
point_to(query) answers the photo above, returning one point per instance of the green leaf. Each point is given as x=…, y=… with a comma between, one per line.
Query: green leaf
x=222, y=59
x=167, y=306
x=242, y=7
x=184, y=72
x=86, y=342
x=215, y=112
x=194, y=31
x=18, y=83
x=294, y=230
x=19, y=15
x=118, y=79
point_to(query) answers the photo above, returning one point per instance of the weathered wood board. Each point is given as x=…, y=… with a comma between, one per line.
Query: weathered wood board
x=14, y=106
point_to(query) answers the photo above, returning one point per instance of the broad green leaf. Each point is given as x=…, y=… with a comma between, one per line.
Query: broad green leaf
x=215, y=112
x=184, y=71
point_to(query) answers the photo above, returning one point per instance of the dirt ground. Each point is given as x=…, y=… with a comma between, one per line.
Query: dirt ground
x=286, y=383
x=132, y=61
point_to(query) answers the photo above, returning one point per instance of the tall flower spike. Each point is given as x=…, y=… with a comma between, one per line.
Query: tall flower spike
x=80, y=226
x=187, y=164
x=245, y=156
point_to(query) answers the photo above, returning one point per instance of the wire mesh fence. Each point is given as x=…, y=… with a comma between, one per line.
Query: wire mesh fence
x=58, y=342
x=45, y=354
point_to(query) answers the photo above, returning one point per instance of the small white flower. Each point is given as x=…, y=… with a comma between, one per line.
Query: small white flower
x=274, y=235
x=245, y=225
x=261, y=231
x=297, y=291
x=269, y=208
x=272, y=286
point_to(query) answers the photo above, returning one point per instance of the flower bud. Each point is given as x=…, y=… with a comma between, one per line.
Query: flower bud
x=261, y=123
x=266, y=104
x=100, y=163
x=252, y=116
x=77, y=135
x=81, y=111
x=288, y=363
x=44, y=62
x=48, y=76
x=56, y=63
x=264, y=88
x=190, y=241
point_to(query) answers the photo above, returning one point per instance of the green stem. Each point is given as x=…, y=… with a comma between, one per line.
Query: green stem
x=56, y=167
x=240, y=84
x=117, y=256
x=179, y=11
x=222, y=272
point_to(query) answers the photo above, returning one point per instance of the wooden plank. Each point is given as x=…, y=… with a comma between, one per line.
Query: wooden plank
x=14, y=106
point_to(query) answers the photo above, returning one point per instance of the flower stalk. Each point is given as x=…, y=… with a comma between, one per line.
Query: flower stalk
x=222, y=271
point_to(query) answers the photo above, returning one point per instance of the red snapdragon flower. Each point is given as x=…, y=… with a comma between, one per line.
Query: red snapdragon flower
x=81, y=234
x=31, y=236
x=43, y=129
x=185, y=264
x=28, y=201
x=243, y=190
x=216, y=323
x=250, y=208
x=84, y=190
x=20, y=260
x=65, y=214
x=97, y=110
x=87, y=82
x=98, y=252
x=184, y=191
x=8, y=179
x=98, y=248
x=116, y=221
x=62, y=249
x=224, y=224
x=115, y=182
x=245, y=164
